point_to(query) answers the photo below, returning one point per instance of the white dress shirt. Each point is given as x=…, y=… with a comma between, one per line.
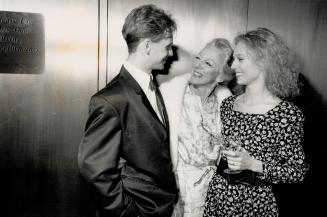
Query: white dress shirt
x=143, y=79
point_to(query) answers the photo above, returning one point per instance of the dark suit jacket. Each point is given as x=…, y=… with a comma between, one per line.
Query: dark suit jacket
x=124, y=154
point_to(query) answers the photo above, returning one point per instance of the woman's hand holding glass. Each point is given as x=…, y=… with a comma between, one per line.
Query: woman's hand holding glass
x=237, y=157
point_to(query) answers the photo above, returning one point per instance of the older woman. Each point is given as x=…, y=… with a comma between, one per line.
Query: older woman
x=193, y=102
x=269, y=128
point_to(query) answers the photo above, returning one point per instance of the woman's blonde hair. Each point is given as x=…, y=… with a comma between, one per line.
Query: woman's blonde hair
x=227, y=53
x=272, y=54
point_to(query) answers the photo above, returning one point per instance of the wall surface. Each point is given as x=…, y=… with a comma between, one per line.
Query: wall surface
x=42, y=115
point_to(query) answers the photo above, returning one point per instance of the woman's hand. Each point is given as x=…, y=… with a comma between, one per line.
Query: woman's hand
x=242, y=160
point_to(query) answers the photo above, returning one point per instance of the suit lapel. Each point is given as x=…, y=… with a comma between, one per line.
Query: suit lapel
x=132, y=83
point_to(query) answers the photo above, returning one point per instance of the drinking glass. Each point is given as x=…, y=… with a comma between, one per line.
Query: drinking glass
x=232, y=143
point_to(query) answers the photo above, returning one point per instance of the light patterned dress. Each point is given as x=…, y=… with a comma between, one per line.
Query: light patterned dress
x=199, y=136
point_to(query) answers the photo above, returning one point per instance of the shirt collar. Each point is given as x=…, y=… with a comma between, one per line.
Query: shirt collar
x=142, y=78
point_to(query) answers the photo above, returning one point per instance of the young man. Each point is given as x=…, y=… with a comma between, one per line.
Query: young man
x=124, y=155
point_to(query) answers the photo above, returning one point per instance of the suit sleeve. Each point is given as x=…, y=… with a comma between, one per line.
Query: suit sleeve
x=98, y=157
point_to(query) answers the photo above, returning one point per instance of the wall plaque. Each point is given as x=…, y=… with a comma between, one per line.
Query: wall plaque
x=21, y=43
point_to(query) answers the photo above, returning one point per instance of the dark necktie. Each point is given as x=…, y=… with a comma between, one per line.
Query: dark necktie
x=160, y=102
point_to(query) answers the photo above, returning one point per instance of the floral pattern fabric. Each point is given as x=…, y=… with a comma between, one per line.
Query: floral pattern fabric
x=199, y=131
x=273, y=138
x=199, y=135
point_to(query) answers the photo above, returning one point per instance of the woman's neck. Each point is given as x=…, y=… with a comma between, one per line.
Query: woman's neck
x=203, y=90
x=256, y=101
x=256, y=95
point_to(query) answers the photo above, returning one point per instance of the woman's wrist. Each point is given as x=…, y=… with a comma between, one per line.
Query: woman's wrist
x=256, y=166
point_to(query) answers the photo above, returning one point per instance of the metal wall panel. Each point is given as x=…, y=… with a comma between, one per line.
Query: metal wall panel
x=42, y=116
x=303, y=25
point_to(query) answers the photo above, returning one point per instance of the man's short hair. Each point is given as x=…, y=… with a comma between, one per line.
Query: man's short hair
x=147, y=21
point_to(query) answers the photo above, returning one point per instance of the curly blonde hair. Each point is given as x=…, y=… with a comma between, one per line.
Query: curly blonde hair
x=272, y=54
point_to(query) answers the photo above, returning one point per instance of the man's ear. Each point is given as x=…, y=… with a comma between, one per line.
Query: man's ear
x=147, y=46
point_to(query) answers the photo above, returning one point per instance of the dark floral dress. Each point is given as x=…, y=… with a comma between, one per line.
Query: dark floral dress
x=273, y=138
